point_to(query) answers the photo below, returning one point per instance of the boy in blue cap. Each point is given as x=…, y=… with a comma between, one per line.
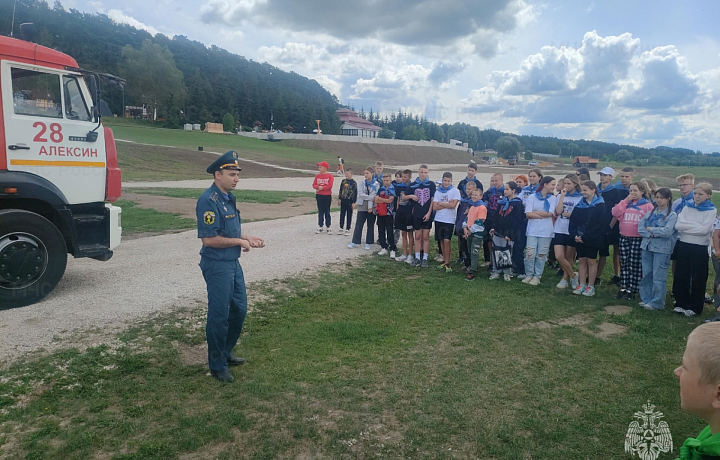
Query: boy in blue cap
x=218, y=222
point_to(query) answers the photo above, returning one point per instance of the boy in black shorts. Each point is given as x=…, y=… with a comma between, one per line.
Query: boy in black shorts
x=404, y=218
x=421, y=194
x=445, y=200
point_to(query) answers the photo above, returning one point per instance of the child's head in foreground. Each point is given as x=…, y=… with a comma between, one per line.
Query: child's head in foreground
x=699, y=373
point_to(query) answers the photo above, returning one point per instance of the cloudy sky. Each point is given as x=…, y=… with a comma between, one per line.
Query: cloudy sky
x=627, y=71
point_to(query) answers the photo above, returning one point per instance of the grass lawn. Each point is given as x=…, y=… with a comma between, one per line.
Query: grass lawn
x=139, y=220
x=248, y=147
x=378, y=360
x=242, y=196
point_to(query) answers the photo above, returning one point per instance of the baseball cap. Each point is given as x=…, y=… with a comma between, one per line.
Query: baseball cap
x=608, y=171
x=324, y=163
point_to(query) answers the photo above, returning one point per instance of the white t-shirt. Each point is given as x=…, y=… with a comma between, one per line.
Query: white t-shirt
x=562, y=224
x=541, y=228
x=446, y=215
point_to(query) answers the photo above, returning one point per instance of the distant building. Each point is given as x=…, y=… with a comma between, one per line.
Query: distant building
x=353, y=125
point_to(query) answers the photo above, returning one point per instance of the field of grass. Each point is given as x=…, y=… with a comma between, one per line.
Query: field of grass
x=250, y=148
x=379, y=360
x=242, y=196
x=141, y=220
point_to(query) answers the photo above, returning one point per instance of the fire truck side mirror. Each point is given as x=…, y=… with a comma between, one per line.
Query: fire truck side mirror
x=95, y=93
x=27, y=31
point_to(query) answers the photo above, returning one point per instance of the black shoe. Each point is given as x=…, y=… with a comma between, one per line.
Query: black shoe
x=233, y=361
x=598, y=282
x=560, y=272
x=460, y=260
x=615, y=280
x=708, y=299
x=629, y=295
x=620, y=295
x=223, y=376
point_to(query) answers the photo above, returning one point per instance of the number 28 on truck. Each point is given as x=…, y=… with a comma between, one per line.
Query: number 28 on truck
x=58, y=171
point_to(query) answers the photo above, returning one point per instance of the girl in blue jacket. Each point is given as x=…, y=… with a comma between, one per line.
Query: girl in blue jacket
x=657, y=228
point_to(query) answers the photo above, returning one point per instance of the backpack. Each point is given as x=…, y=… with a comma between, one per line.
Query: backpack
x=381, y=209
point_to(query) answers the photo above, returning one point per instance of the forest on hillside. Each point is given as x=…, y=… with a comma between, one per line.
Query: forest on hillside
x=188, y=82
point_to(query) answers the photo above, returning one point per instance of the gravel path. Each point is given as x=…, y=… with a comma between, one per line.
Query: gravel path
x=158, y=274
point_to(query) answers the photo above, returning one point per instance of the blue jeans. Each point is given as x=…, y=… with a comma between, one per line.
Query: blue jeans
x=536, y=251
x=653, y=286
x=227, y=307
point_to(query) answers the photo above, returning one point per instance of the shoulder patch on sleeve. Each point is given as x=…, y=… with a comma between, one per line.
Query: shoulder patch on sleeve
x=209, y=217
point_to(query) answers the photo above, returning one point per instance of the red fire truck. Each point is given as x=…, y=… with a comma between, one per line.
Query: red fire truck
x=58, y=171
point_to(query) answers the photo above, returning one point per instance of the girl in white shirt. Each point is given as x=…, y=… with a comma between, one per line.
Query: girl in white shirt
x=539, y=210
x=694, y=225
x=563, y=245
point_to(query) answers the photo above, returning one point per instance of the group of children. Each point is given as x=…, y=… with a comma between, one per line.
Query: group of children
x=516, y=227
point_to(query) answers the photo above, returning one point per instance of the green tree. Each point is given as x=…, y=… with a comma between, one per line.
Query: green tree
x=624, y=156
x=508, y=147
x=386, y=134
x=413, y=133
x=529, y=155
x=571, y=150
x=153, y=78
x=228, y=123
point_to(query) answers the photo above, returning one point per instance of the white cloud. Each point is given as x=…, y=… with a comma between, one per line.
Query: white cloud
x=412, y=23
x=121, y=18
x=98, y=6
x=606, y=88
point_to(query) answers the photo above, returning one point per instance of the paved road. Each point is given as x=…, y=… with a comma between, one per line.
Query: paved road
x=158, y=274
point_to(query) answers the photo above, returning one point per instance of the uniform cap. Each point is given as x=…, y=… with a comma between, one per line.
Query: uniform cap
x=229, y=160
x=608, y=171
x=325, y=164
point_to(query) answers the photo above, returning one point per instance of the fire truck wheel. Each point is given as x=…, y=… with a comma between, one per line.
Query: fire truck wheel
x=33, y=257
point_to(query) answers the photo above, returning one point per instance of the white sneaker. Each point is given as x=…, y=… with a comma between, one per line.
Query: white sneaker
x=534, y=282
x=347, y=232
x=575, y=280
x=689, y=313
x=401, y=258
x=319, y=230
x=527, y=279
x=563, y=284
x=495, y=276
x=507, y=277
x=367, y=247
x=382, y=252
x=351, y=245
x=340, y=232
x=439, y=258
x=392, y=254
x=409, y=259
x=329, y=232
x=679, y=310
x=485, y=264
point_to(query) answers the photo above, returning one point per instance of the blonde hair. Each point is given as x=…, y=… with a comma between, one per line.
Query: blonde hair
x=689, y=177
x=651, y=186
x=705, y=187
x=706, y=337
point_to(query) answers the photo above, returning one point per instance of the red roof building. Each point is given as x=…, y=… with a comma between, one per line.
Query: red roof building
x=353, y=125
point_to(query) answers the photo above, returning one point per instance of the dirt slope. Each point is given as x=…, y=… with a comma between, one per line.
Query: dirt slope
x=357, y=154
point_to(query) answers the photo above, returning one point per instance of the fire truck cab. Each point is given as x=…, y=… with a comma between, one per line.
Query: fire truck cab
x=58, y=171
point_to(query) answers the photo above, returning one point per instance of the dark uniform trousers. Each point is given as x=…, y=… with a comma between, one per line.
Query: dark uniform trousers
x=227, y=307
x=217, y=215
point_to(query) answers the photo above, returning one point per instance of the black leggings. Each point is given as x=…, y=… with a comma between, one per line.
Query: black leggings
x=362, y=218
x=691, y=274
x=323, y=204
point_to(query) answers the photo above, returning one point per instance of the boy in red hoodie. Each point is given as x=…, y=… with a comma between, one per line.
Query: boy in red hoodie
x=323, y=184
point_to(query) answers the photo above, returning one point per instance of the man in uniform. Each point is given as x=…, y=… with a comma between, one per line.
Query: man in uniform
x=218, y=222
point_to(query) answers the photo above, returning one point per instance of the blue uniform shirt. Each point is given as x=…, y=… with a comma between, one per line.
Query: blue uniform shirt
x=218, y=216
